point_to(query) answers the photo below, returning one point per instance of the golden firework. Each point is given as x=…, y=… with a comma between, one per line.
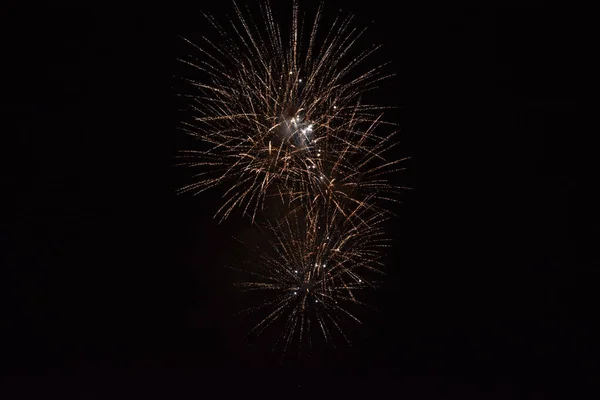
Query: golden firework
x=283, y=117
x=311, y=275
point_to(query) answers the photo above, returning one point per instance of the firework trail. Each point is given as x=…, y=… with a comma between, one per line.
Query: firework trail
x=312, y=273
x=282, y=116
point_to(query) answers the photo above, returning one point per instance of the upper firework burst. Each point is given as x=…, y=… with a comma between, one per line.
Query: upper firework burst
x=280, y=115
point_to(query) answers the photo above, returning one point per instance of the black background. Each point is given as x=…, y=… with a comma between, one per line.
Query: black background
x=114, y=287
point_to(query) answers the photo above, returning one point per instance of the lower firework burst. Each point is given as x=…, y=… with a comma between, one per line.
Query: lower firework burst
x=312, y=275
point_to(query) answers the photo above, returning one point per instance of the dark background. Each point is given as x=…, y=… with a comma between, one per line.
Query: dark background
x=113, y=287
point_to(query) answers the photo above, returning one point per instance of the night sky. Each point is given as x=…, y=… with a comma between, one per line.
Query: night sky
x=113, y=286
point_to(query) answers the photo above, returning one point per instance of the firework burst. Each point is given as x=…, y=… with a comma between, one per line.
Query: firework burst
x=281, y=115
x=311, y=276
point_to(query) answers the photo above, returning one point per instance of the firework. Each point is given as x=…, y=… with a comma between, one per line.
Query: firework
x=281, y=115
x=311, y=276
